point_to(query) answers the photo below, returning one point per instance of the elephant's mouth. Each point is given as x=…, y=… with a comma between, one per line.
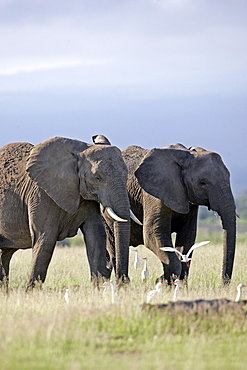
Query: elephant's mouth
x=115, y=217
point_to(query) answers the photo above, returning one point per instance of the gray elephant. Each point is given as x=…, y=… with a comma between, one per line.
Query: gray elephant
x=50, y=190
x=165, y=187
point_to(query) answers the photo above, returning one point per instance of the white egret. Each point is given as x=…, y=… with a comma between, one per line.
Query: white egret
x=114, y=297
x=106, y=291
x=145, y=271
x=107, y=288
x=202, y=305
x=177, y=291
x=239, y=292
x=136, y=260
x=184, y=257
x=67, y=296
x=155, y=292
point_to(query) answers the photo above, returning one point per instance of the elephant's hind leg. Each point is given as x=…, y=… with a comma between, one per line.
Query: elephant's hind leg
x=5, y=257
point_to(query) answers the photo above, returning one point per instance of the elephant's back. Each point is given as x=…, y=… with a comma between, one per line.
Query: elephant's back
x=12, y=163
x=132, y=156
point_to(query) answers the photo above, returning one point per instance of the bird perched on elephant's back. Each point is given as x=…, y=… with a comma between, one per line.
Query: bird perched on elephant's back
x=165, y=187
x=50, y=190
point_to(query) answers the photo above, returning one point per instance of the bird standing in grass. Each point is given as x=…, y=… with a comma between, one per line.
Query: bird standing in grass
x=67, y=296
x=145, y=271
x=107, y=289
x=136, y=260
x=177, y=289
x=202, y=306
x=178, y=286
x=184, y=257
x=155, y=292
x=239, y=292
x=114, y=297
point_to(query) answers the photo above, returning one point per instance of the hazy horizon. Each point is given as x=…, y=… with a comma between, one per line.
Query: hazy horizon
x=141, y=72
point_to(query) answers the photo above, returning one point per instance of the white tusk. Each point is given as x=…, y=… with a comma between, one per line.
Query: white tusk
x=134, y=218
x=113, y=215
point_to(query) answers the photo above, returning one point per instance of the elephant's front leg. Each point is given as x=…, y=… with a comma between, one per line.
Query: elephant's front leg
x=41, y=256
x=157, y=234
x=95, y=239
x=186, y=235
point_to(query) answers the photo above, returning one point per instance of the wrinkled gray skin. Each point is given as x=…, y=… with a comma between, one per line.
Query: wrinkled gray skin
x=165, y=187
x=50, y=190
x=110, y=227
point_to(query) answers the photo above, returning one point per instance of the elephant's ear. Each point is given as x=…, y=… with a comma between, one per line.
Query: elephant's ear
x=100, y=139
x=159, y=174
x=52, y=165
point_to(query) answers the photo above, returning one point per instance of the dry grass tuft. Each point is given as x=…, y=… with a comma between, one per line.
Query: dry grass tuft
x=40, y=330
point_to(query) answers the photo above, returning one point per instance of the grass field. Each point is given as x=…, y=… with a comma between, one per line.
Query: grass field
x=39, y=330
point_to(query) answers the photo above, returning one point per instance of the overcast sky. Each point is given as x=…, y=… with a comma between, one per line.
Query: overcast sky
x=143, y=72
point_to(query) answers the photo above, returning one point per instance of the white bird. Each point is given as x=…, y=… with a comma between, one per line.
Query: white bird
x=106, y=290
x=155, y=292
x=185, y=257
x=178, y=286
x=106, y=286
x=114, y=297
x=239, y=292
x=177, y=290
x=145, y=271
x=67, y=296
x=203, y=305
x=136, y=260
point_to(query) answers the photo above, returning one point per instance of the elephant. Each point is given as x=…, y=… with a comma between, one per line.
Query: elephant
x=49, y=191
x=166, y=186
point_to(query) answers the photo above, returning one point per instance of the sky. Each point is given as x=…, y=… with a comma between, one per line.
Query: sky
x=141, y=72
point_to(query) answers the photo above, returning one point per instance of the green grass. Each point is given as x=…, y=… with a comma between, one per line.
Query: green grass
x=40, y=331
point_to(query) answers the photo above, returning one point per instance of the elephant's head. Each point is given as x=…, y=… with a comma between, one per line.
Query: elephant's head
x=69, y=169
x=180, y=176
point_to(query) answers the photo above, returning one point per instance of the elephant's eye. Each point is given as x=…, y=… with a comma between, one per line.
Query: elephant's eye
x=97, y=178
x=202, y=183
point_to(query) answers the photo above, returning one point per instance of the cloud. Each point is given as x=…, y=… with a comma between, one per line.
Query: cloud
x=38, y=65
x=163, y=47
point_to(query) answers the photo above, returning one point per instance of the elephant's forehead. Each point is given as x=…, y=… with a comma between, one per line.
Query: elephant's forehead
x=101, y=152
x=105, y=155
x=207, y=158
x=209, y=163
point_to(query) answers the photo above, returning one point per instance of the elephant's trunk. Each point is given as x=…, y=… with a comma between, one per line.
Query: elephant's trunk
x=121, y=234
x=227, y=212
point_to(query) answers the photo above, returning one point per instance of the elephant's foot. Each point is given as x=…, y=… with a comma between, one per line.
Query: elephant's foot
x=226, y=280
x=122, y=281
x=34, y=284
x=160, y=279
x=98, y=280
x=163, y=279
x=4, y=284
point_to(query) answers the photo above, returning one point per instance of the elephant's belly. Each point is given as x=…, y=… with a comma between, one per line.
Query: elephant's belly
x=67, y=233
x=18, y=243
x=13, y=236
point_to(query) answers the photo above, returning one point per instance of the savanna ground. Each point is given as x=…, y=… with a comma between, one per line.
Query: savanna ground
x=39, y=330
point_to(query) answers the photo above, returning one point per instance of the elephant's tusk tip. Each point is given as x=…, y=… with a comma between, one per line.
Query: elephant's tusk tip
x=113, y=215
x=134, y=218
